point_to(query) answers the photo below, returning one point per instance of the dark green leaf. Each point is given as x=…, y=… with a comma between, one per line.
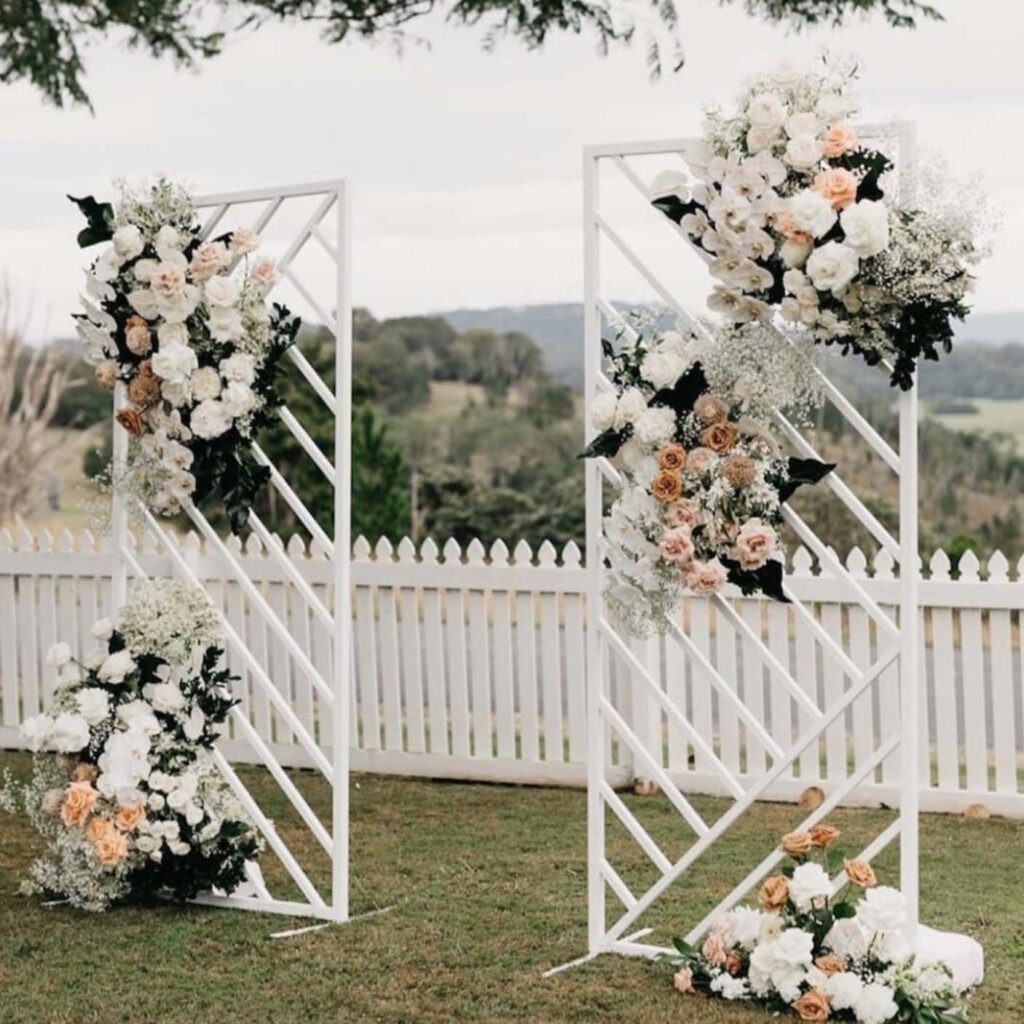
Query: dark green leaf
x=99, y=221
x=606, y=444
x=803, y=471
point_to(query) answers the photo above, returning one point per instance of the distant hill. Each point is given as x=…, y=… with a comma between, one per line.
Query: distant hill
x=993, y=368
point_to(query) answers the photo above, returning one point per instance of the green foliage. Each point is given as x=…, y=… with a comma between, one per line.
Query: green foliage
x=43, y=42
x=380, y=479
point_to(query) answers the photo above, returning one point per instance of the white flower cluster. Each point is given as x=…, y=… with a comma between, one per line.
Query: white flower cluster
x=133, y=780
x=185, y=324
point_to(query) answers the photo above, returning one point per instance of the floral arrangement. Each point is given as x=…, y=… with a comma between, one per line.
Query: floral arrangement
x=797, y=217
x=704, y=478
x=820, y=948
x=124, y=790
x=184, y=322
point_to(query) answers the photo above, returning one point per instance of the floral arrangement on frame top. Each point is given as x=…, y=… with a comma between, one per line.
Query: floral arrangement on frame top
x=797, y=216
x=185, y=324
x=704, y=478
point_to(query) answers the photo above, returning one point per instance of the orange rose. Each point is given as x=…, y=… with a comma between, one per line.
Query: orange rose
x=97, y=829
x=672, y=457
x=838, y=186
x=830, y=964
x=823, y=835
x=667, y=486
x=774, y=893
x=129, y=818
x=131, y=421
x=79, y=800
x=813, y=1005
x=839, y=140
x=860, y=872
x=797, y=844
x=682, y=980
x=720, y=437
x=709, y=409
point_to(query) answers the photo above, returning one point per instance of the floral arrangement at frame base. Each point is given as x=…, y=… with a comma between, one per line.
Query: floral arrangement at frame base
x=705, y=479
x=124, y=788
x=798, y=217
x=183, y=321
x=826, y=943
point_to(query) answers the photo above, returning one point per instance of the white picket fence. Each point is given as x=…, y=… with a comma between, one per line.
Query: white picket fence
x=469, y=665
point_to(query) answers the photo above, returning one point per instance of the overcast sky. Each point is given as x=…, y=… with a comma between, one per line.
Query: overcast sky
x=467, y=164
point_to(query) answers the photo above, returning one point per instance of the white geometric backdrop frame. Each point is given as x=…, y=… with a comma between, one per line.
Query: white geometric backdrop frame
x=621, y=935
x=329, y=226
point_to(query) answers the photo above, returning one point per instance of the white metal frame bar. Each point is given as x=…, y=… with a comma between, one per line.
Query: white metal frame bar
x=602, y=635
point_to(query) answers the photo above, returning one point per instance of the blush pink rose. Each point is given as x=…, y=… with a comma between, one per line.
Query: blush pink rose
x=755, y=543
x=705, y=577
x=713, y=949
x=839, y=140
x=168, y=280
x=677, y=546
x=684, y=512
x=209, y=259
x=263, y=274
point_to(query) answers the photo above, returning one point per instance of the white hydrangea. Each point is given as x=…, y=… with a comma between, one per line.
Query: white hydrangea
x=655, y=426
x=875, y=1004
x=116, y=666
x=602, y=410
x=69, y=733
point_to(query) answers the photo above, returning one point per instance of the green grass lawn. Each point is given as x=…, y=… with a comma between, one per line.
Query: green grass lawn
x=488, y=886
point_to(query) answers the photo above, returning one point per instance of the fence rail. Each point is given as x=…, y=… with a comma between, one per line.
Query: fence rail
x=470, y=663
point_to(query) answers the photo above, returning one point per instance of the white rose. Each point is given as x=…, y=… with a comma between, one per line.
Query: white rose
x=69, y=675
x=805, y=123
x=175, y=363
x=95, y=658
x=883, y=909
x=205, y=383
x=811, y=212
x=166, y=697
x=844, y=989
x=143, y=270
x=809, y=886
x=93, y=704
x=239, y=399
x=177, y=847
x=178, y=395
x=847, y=939
x=243, y=241
x=178, y=309
x=194, y=725
x=746, y=927
x=662, y=368
x=832, y=267
x=143, y=301
x=225, y=323
x=794, y=254
x=866, y=227
x=631, y=406
x=35, y=731
x=58, y=655
x=221, y=291
x=128, y=242
x=69, y=734
x=172, y=334
x=602, y=410
x=655, y=426
x=875, y=1004
x=833, y=107
x=803, y=152
x=116, y=667
x=138, y=716
x=767, y=110
x=760, y=138
x=167, y=242
x=241, y=366
x=210, y=419
x=102, y=629
x=157, y=801
x=108, y=266
x=794, y=947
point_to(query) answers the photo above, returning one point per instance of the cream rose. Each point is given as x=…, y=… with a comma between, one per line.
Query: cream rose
x=803, y=152
x=866, y=227
x=128, y=242
x=221, y=291
x=175, y=363
x=832, y=266
x=210, y=419
x=205, y=383
x=767, y=110
x=811, y=213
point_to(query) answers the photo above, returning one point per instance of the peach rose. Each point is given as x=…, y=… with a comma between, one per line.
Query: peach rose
x=823, y=835
x=111, y=847
x=666, y=486
x=208, y=260
x=830, y=964
x=720, y=437
x=755, y=543
x=734, y=963
x=788, y=229
x=739, y=470
x=705, y=578
x=813, y=1005
x=838, y=186
x=263, y=274
x=713, y=949
x=137, y=336
x=774, y=893
x=709, y=409
x=672, y=457
x=684, y=512
x=131, y=421
x=79, y=801
x=84, y=772
x=860, y=872
x=106, y=374
x=97, y=829
x=682, y=980
x=129, y=818
x=797, y=844
x=839, y=140
x=699, y=461
x=677, y=546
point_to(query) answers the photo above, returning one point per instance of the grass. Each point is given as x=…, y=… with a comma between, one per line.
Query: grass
x=488, y=886
x=994, y=416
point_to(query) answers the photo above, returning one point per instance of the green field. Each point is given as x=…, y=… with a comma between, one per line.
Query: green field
x=994, y=416
x=488, y=889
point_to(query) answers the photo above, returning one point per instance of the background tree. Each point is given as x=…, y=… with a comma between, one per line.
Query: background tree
x=42, y=41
